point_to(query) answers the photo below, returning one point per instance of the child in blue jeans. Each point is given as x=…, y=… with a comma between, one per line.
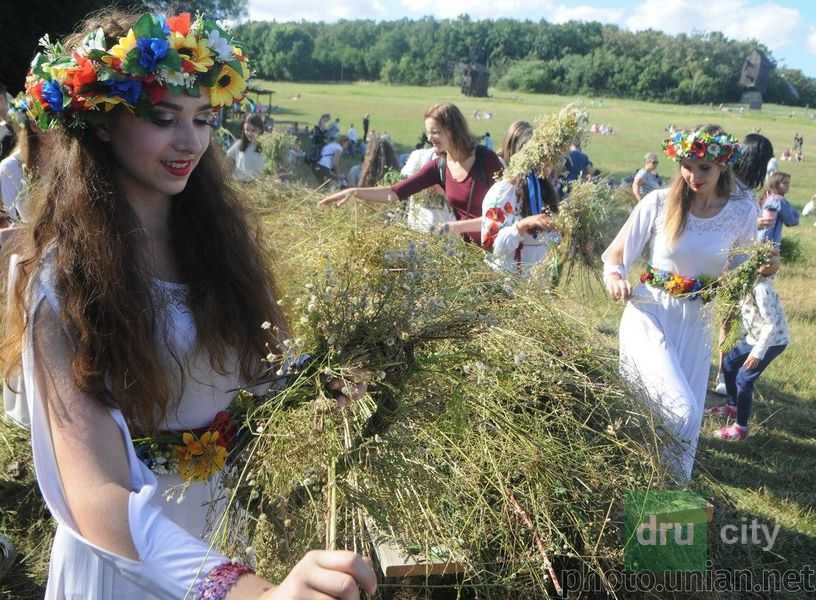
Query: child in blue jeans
x=765, y=337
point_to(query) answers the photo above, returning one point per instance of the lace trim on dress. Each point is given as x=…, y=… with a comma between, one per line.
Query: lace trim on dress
x=730, y=218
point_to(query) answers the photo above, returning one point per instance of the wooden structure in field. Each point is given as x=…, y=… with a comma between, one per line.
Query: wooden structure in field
x=475, y=80
x=754, y=78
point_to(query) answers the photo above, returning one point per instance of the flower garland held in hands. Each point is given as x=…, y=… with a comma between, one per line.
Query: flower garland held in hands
x=720, y=148
x=735, y=285
x=158, y=57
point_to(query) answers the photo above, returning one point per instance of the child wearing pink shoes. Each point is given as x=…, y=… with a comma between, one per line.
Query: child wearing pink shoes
x=765, y=337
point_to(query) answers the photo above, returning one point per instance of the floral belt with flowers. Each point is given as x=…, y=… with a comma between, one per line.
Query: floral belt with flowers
x=198, y=454
x=678, y=285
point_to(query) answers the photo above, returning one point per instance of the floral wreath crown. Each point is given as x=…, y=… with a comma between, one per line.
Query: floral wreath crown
x=158, y=56
x=720, y=148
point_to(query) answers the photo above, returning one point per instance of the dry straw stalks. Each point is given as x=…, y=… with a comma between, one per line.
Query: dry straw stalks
x=495, y=431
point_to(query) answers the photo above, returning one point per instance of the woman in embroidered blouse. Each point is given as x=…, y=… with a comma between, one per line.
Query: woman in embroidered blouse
x=518, y=232
x=468, y=174
x=690, y=229
x=138, y=308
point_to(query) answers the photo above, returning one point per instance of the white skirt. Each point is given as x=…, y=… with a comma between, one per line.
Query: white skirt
x=665, y=350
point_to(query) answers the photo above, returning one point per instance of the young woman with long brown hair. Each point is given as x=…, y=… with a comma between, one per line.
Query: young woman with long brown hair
x=690, y=230
x=142, y=286
x=466, y=173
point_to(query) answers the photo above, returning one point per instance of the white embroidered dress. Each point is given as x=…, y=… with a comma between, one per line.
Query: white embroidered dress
x=170, y=537
x=665, y=341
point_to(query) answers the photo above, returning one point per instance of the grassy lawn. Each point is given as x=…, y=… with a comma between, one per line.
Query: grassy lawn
x=771, y=477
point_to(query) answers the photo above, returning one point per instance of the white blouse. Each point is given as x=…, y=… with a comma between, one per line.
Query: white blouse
x=249, y=164
x=703, y=247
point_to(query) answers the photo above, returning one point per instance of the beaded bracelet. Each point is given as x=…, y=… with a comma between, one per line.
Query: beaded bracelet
x=218, y=582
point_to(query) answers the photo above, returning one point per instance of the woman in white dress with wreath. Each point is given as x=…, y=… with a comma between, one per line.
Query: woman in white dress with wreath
x=139, y=300
x=691, y=230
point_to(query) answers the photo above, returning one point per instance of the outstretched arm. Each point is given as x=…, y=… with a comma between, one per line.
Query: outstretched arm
x=372, y=194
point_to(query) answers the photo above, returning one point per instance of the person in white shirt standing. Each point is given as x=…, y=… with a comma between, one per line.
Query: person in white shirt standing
x=245, y=154
x=765, y=337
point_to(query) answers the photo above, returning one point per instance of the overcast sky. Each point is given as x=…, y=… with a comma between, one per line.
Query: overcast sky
x=787, y=27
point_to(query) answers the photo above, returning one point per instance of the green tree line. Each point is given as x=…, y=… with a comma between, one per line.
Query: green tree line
x=570, y=58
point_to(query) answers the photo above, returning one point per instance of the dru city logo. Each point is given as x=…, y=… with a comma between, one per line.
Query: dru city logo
x=669, y=531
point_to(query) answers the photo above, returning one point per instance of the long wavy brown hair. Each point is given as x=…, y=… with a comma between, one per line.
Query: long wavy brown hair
x=451, y=119
x=87, y=227
x=678, y=199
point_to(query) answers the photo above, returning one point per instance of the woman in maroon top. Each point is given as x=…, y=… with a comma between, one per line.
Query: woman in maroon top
x=465, y=171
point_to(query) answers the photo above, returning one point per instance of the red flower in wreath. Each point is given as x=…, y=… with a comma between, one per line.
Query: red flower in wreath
x=82, y=76
x=645, y=277
x=698, y=149
x=155, y=91
x=508, y=208
x=180, y=23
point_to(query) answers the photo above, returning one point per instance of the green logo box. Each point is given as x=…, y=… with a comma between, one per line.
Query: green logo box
x=665, y=531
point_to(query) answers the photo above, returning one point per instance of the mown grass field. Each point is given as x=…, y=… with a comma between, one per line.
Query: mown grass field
x=771, y=477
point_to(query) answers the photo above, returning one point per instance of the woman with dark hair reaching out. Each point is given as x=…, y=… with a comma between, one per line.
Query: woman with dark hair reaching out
x=690, y=229
x=141, y=292
x=465, y=171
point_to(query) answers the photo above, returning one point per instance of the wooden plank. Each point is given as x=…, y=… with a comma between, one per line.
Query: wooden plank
x=396, y=562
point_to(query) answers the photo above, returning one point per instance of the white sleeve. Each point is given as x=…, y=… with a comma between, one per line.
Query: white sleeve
x=766, y=310
x=170, y=559
x=11, y=177
x=635, y=233
x=499, y=231
x=507, y=242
